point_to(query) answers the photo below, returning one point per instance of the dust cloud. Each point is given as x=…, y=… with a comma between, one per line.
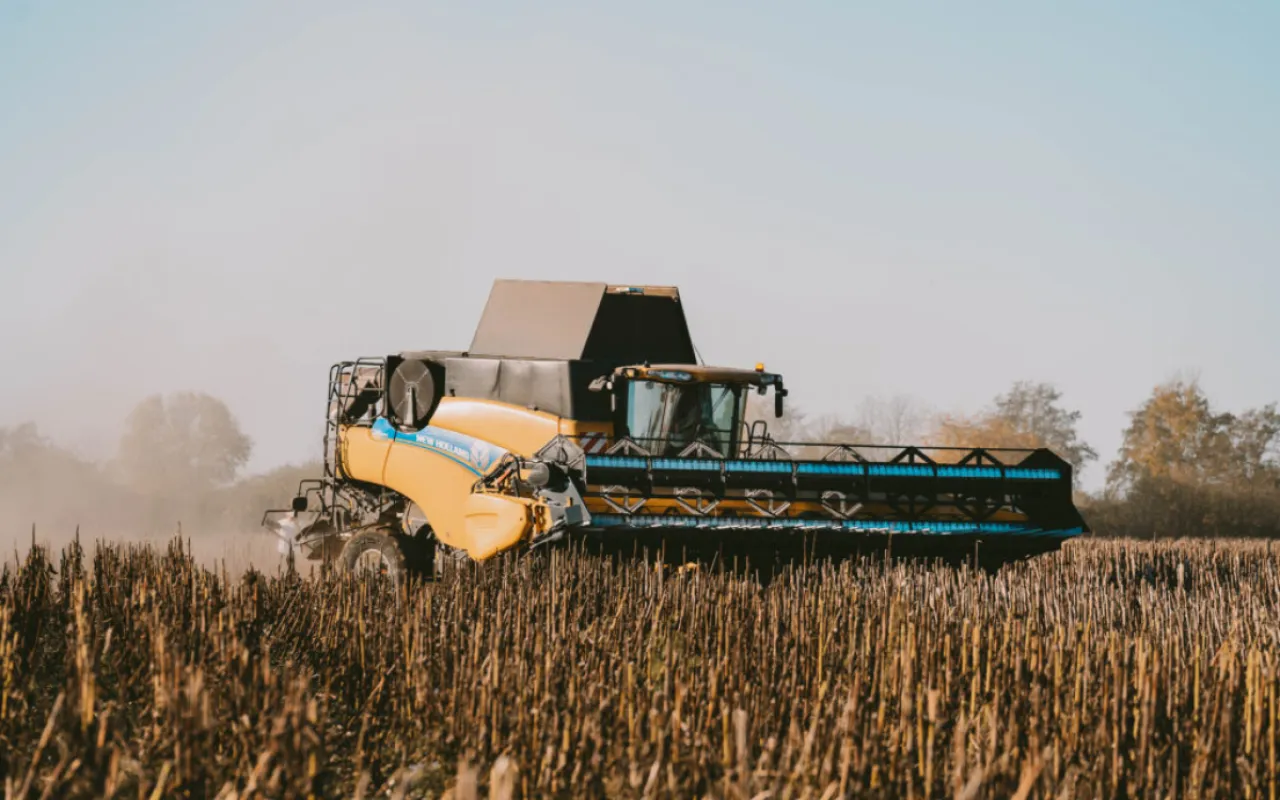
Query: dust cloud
x=49, y=495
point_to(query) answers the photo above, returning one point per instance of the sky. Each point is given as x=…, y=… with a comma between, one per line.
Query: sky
x=931, y=200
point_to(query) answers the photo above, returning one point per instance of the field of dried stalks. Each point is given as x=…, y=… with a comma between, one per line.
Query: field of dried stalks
x=1111, y=670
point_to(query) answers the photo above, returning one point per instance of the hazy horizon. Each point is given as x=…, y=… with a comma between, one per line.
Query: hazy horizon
x=929, y=201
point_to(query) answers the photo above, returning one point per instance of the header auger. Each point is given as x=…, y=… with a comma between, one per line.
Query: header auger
x=580, y=413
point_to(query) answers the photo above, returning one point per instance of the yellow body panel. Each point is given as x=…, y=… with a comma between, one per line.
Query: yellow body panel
x=438, y=485
x=519, y=430
x=495, y=522
x=441, y=483
x=362, y=456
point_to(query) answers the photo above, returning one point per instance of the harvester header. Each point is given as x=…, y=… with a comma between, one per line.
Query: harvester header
x=581, y=412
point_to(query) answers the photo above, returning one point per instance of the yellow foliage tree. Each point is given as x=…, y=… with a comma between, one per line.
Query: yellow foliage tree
x=982, y=430
x=1027, y=417
x=1177, y=437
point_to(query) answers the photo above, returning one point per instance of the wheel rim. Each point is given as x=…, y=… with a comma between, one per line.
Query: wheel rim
x=372, y=562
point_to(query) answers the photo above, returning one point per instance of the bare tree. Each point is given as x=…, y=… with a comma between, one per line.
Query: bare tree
x=794, y=425
x=897, y=420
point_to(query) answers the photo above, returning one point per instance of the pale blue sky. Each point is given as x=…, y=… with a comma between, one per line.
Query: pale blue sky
x=929, y=199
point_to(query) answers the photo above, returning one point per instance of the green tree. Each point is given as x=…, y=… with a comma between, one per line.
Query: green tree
x=183, y=444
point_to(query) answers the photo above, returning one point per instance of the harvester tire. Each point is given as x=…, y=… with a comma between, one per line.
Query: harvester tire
x=374, y=551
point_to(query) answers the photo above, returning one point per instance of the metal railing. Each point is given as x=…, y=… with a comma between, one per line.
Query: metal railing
x=768, y=449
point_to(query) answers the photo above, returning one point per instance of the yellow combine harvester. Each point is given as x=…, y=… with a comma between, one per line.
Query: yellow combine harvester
x=581, y=413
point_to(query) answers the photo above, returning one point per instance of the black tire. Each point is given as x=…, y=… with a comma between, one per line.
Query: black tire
x=374, y=551
x=419, y=553
x=396, y=556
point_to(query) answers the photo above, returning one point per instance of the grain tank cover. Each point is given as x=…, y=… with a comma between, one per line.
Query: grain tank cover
x=584, y=321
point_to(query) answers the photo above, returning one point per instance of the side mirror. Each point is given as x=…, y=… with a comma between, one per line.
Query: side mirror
x=299, y=504
x=778, y=394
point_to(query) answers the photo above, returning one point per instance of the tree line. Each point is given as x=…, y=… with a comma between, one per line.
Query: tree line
x=179, y=461
x=1184, y=467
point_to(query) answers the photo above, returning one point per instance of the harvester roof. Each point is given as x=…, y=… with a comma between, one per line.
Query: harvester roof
x=684, y=373
x=584, y=321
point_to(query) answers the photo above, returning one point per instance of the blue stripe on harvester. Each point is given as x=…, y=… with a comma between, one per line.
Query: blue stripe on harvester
x=758, y=466
x=822, y=468
x=696, y=464
x=475, y=455
x=617, y=462
x=901, y=470
x=968, y=472
x=1033, y=474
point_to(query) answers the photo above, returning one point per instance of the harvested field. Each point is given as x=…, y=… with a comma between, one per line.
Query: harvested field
x=1110, y=670
x=234, y=552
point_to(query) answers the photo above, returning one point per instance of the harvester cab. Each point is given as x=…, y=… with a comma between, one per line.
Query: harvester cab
x=581, y=412
x=679, y=409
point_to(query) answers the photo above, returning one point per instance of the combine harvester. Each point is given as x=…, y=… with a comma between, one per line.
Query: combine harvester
x=580, y=413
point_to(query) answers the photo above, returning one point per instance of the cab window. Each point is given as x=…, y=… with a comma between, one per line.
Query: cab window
x=667, y=417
